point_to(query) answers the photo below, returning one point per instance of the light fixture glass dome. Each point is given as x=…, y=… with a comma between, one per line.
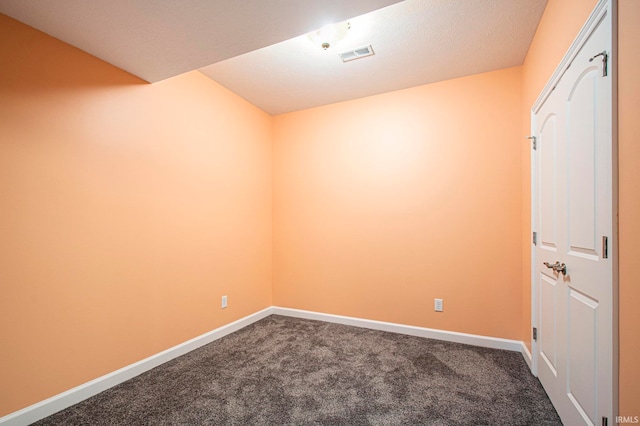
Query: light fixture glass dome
x=329, y=35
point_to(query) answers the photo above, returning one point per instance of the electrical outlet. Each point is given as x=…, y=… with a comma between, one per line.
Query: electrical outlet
x=224, y=302
x=438, y=305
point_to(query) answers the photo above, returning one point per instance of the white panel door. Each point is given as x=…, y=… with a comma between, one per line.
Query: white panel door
x=573, y=217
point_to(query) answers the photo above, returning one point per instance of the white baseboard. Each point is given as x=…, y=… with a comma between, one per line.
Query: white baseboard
x=528, y=358
x=66, y=399
x=449, y=336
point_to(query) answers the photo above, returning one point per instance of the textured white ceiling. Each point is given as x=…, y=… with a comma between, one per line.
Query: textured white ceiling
x=257, y=48
x=415, y=42
x=158, y=39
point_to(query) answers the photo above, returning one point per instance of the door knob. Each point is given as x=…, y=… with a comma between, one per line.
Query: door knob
x=558, y=267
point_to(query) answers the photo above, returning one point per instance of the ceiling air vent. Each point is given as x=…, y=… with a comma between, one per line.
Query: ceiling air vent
x=358, y=53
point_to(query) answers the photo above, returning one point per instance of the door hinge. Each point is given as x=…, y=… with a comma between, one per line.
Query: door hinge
x=535, y=238
x=535, y=334
x=605, y=247
x=533, y=142
x=605, y=421
x=605, y=59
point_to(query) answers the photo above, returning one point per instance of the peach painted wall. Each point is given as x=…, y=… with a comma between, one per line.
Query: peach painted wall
x=629, y=204
x=384, y=203
x=558, y=28
x=128, y=209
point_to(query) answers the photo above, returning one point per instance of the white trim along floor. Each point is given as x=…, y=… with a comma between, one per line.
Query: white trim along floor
x=71, y=397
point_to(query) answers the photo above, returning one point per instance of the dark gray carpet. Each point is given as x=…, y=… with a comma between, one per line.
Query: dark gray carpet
x=290, y=371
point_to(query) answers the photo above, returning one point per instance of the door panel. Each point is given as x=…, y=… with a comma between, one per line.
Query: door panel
x=582, y=312
x=547, y=173
x=548, y=323
x=551, y=294
x=581, y=157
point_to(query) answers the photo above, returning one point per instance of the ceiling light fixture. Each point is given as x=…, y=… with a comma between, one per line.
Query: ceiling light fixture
x=329, y=35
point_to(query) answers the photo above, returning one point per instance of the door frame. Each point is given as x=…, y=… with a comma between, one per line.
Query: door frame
x=601, y=9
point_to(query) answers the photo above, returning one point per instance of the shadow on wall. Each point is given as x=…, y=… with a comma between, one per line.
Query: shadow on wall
x=47, y=63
